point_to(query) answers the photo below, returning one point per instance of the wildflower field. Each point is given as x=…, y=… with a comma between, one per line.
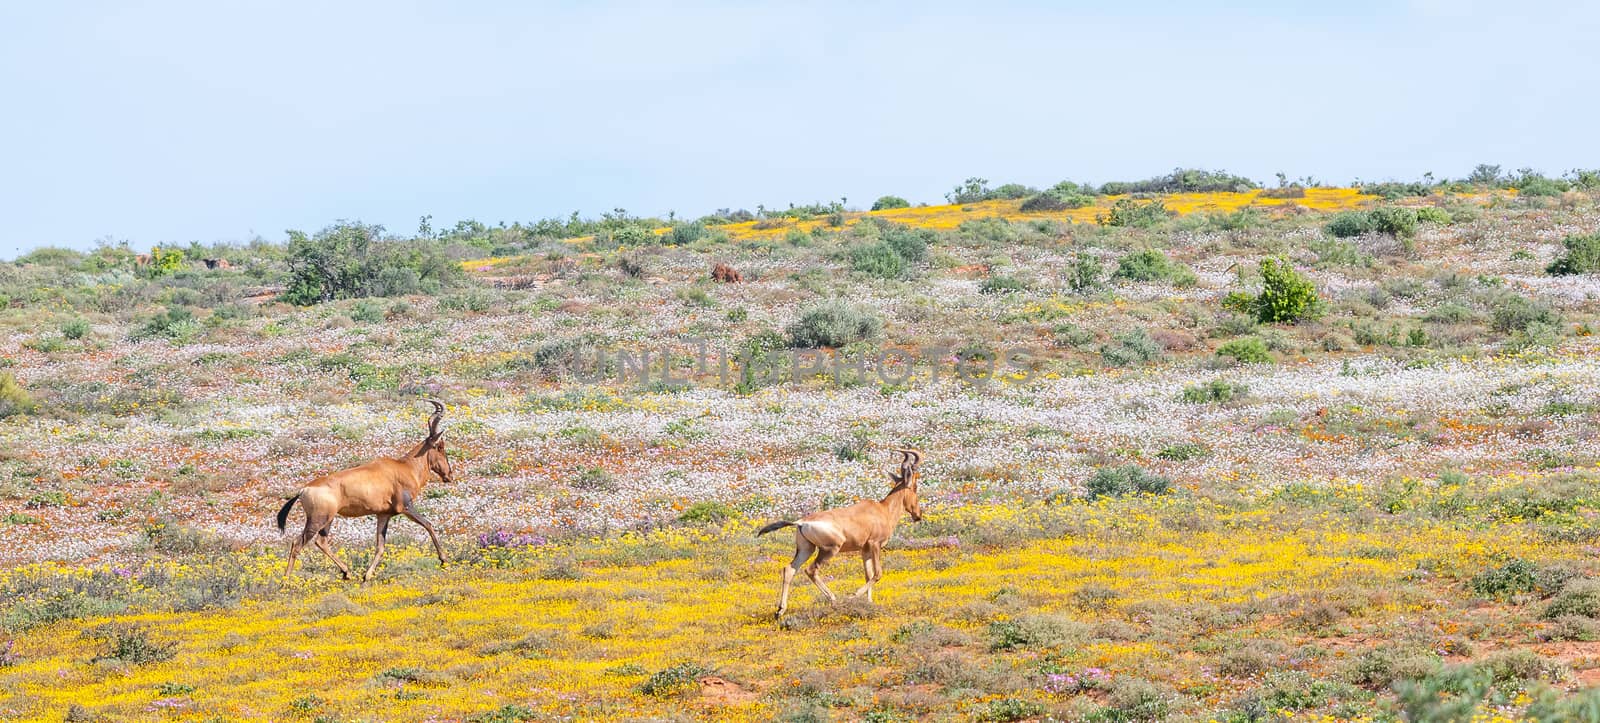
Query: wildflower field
x=1190, y=454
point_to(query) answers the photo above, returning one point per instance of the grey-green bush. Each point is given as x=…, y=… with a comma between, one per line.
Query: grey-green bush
x=833, y=323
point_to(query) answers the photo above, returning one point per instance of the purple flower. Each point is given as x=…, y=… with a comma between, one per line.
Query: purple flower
x=503, y=538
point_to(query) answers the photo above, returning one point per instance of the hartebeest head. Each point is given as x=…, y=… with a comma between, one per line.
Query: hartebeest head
x=433, y=446
x=910, y=460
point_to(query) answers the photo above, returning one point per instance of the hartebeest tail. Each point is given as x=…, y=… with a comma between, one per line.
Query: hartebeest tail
x=384, y=488
x=283, y=512
x=862, y=527
x=774, y=527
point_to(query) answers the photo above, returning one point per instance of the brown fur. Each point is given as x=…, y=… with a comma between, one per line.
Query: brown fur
x=383, y=487
x=726, y=274
x=863, y=527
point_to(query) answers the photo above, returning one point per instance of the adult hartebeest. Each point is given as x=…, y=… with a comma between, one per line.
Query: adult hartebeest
x=383, y=487
x=862, y=527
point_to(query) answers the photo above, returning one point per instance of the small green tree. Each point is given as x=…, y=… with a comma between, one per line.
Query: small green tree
x=1128, y=212
x=1582, y=256
x=13, y=398
x=1286, y=296
x=328, y=266
x=1248, y=350
x=885, y=203
x=1152, y=265
x=351, y=260
x=1084, y=275
x=878, y=259
x=164, y=261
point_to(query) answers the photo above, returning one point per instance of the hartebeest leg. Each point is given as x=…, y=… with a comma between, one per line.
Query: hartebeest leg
x=411, y=514
x=868, y=571
x=877, y=570
x=377, y=551
x=813, y=571
x=322, y=544
x=294, y=549
x=802, y=552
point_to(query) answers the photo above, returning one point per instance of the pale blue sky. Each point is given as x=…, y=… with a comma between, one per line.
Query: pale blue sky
x=166, y=121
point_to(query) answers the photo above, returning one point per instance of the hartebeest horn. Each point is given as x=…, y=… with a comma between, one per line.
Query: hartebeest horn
x=912, y=457
x=433, y=422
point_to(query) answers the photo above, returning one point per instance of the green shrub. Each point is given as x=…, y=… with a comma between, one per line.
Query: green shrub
x=1215, y=390
x=164, y=262
x=1031, y=632
x=1582, y=256
x=684, y=234
x=1430, y=214
x=1537, y=186
x=1337, y=252
x=833, y=323
x=176, y=323
x=1396, y=221
x=509, y=713
x=1513, y=312
x=1128, y=212
x=368, y=312
x=1518, y=577
x=132, y=644
x=879, y=259
x=1001, y=285
x=1130, y=348
x=911, y=244
x=75, y=329
x=1580, y=598
x=1056, y=200
x=1152, y=265
x=706, y=512
x=1083, y=276
x=1391, y=190
x=1449, y=313
x=1125, y=480
x=352, y=260
x=1008, y=709
x=1183, y=180
x=1349, y=223
x=1134, y=701
x=972, y=190
x=1182, y=452
x=13, y=398
x=885, y=203
x=595, y=479
x=1379, y=668
x=674, y=680
x=1286, y=296
x=1451, y=693
x=1248, y=350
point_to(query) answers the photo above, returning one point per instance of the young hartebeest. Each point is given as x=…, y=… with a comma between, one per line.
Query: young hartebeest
x=383, y=487
x=862, y=527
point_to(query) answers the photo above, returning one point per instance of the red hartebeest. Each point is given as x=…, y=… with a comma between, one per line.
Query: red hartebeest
x=862, y=527
x=383, y=487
